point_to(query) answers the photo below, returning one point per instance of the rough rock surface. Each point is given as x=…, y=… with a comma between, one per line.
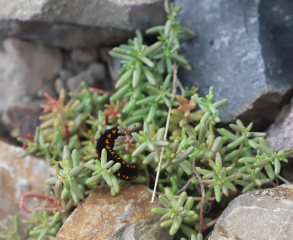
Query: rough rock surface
x=92, y=76
x=280, y=133
x=25, y=69
x=81, y=58
x=258, y=214
x=78, y=23
x=244, y=50
x=126, y=216
x=17, y=177
x=280, y=136
x=21, y=119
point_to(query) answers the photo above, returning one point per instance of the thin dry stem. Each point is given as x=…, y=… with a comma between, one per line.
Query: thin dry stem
x=181, y=87
x=283, y=179
x=210, y=224
x=166, y=131
x=147, y=177
x=186, y=185
x=202, y=196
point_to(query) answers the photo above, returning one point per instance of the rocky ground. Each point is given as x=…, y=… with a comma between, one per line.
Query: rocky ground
x=243, y=49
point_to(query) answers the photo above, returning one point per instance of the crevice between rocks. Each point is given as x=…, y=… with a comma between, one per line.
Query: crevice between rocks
x=265, y=109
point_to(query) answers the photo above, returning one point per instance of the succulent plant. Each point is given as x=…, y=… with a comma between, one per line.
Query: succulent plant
x=13, y=234
x=45, y=225
x=176, y=211
x=179, y=147
x=104, y=169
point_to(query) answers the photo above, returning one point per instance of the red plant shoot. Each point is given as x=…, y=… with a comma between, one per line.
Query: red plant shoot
x=28, y=137
x=54, y=204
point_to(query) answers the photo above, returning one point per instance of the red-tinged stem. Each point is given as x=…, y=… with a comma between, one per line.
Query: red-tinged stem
x=45, y=209
x=68, y=205
x=29, y=137
x=53, y=203
x=67, y=133
x=104, y=123
x=97, y=90
x=210, y=224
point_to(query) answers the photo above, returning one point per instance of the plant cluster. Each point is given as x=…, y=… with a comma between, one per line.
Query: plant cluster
x=190, y=160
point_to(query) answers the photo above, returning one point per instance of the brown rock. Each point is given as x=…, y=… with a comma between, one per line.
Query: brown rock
x=126, y=216
x=22, y=119
x=17, y=177
x=258, y=214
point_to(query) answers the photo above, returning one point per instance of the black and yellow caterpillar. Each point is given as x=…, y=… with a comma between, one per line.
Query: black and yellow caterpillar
x=127, y=171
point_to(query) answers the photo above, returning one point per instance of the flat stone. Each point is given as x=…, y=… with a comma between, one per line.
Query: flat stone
x=126, y=216
x=17, y=177
x=244, y=50
x=258, y=214
x=78, y=23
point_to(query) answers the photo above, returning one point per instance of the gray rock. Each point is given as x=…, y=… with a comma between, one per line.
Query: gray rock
x=78, y=23
x=24, y=69
x=46, y=88
x=59, y=85
x=65, y=74
x=84, y=55
x=244, y=50
x=280, y=136
x=92, y=76
x=280, y=133
x=81, y=58
x=258, y=214
x=114, y=64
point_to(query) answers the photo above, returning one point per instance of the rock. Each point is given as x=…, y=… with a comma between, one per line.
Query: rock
x=287, y=170
x=126, y=216
x=24, y=69
x=78, y=23
x=258, y=214
x=94, y=74
x=21, y=119
x=114, y=64
x=280, y=136
x=47, y=88
x=65, y=74
x=17, y=177
x=82, y=57
x=59, y=85
x=4, y=132
x=244, y=50
x=280, y=133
